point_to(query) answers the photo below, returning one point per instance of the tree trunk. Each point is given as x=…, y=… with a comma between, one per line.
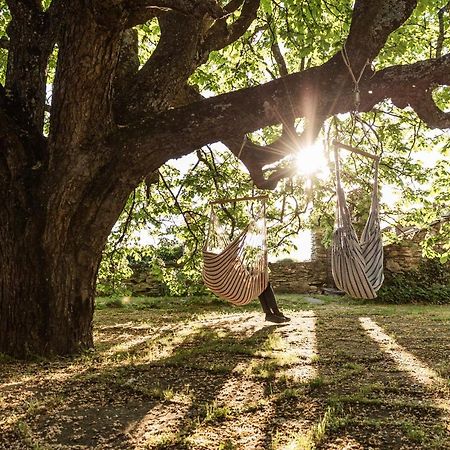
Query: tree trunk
x=46, y=295
x=47, y=279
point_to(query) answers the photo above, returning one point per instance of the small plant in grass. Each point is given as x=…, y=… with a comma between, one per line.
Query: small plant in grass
x=290, y=393
x=414, y=432
x=24, y=431
x=264, y=369
x=227, y=445
x=316, y=382
x=295, y=441
x=5, y=358
x=371, y=388
x=353, y=366
x=309, y=440
x=114, y=303
x=163, y=440
x=274, y=342
x=213, y=412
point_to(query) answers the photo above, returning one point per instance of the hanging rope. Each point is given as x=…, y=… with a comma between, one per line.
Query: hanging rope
x=356, y=81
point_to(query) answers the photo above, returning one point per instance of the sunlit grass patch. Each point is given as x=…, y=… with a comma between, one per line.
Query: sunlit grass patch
x=311, y=438
x=265, y=369
x=227, y=445
x=207, y=379
x=213, y=412
x=163, y=440
x=289, y=393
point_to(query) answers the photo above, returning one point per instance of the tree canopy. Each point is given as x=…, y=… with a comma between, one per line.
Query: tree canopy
x=97, y=96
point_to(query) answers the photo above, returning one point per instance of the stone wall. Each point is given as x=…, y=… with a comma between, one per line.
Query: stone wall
x=306, y=276
x=144, y=284
x=297, y=277
x=402, y=257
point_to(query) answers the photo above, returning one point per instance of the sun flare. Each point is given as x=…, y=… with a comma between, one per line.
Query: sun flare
x=311, y=160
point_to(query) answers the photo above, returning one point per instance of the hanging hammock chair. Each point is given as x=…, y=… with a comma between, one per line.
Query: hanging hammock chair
x=236, y=270
x=357, y=265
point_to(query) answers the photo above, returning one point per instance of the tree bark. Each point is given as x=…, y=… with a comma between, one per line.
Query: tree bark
x=46, y=290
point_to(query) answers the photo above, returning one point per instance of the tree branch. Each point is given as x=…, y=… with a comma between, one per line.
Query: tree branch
x=412, y=85
x=134, y=12
x=372, y=23
x=4, y=42
x=179, y=131
x=158, y=81
x=221, y=34
x=29, y=48
x=441, y=37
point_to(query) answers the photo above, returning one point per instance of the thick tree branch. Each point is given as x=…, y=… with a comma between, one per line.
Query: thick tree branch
x=180, y=131
x=221, y=34
x=372, y=23
x=17, y=7
x=29, y=48
x=4, y=42
x=161, y=77
x=156, y=85
x=441, y=37
x=88, y=56
x=128, y=64
x=134, y=12
x=411, y=85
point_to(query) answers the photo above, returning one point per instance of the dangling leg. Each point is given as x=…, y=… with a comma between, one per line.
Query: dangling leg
x=272, y=303
x=270, y=307
x=265, y=307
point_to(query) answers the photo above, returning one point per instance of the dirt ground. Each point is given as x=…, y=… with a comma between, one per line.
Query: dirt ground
x=204, y=376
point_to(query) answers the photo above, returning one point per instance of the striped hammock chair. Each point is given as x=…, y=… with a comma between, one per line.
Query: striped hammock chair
x=357, y=265
x=236, y=270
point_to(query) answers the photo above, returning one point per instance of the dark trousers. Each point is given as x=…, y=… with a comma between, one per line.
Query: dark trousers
x=268, y=302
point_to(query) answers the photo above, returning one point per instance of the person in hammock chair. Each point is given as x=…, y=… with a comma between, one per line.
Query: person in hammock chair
x=236, y=269
x=270, y=307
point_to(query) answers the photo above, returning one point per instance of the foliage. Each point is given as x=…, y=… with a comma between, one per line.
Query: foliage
x=430, y=283
x=413, y=173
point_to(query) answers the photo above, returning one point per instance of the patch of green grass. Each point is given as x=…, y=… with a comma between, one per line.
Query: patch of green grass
x=6, y=359
x=25, y=433
x=371, y=388
x=288, y=393
x=316, y=382
x=215, y=413
x=296, y=441
x=330, y=421
x=266, y=369
x=355, y=367
x=161, y=441
x=227, y=445
x=413, y=432
x=358, y=397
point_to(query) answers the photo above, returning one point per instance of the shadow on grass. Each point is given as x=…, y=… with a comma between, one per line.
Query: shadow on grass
x=172, y=388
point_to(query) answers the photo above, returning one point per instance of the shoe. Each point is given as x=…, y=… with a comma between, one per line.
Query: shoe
x=280, y=314
x=275, y=319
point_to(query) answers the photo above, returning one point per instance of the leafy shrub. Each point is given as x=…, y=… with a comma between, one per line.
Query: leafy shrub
x=430, y=283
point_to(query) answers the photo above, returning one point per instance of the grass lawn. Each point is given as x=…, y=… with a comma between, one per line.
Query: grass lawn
x=195, y=373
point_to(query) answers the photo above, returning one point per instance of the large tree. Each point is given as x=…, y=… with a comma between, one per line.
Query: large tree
x=67, y=169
